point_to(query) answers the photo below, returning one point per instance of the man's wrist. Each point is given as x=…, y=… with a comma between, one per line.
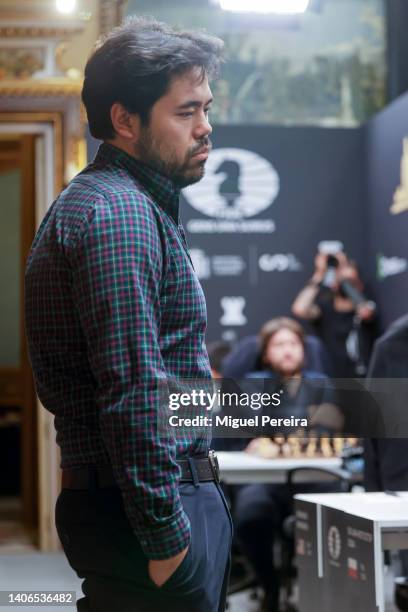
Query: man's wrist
x=168, y=541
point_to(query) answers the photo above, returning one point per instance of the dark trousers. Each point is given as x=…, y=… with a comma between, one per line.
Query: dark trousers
x=259, y=512
x=102, y=549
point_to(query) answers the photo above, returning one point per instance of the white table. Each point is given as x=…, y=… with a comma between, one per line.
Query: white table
x=239, y=467
x=389, y=517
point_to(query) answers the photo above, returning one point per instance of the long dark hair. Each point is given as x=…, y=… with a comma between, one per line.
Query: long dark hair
x=270, y=328
x=134, y=65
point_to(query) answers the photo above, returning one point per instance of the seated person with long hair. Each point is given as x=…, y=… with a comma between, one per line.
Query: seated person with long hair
x=260, y=509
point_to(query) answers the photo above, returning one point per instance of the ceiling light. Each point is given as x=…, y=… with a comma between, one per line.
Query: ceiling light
x=66, y=6
x=280, y=7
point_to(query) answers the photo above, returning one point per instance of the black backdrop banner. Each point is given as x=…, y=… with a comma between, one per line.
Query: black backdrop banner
x=387, y=153
x=269, y=196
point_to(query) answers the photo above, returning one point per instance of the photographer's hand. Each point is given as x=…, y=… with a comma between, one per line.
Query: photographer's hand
x=342, y=259
x=366, y=311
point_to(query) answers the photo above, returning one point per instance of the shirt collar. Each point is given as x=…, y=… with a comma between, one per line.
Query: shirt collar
x=159, y=186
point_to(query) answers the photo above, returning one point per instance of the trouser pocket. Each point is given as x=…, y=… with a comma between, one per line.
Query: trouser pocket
x=177, y=578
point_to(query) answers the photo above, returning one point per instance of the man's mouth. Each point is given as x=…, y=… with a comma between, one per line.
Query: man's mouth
x=202, y=153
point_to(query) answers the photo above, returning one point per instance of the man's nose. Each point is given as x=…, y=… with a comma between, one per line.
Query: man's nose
x=203, y=128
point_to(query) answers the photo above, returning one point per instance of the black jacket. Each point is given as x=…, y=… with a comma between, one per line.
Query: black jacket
x=386, y=459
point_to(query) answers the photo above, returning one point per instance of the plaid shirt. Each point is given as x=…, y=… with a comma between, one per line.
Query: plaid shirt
x=112, y=306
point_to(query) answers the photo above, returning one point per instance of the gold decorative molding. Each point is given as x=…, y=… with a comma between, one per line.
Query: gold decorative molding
x=40, y=30
x=35, y=39
x=56, y=100
x=20, y=63
x=44, y=88
x=34, y=47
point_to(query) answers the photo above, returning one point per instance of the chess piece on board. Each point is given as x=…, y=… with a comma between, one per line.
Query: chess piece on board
x=263, y=447
x=295, y=446
x=326, y=447
x=338, y=446
x=311, y=449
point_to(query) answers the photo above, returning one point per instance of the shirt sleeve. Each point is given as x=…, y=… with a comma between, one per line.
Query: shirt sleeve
x=117, y=275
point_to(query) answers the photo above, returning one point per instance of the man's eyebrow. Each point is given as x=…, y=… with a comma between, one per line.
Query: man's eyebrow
x=193, y=104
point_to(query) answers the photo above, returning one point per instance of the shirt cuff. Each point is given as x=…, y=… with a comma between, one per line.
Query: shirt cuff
x=167, y=541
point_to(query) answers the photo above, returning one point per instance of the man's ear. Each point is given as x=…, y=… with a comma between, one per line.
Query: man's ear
x=125, y=124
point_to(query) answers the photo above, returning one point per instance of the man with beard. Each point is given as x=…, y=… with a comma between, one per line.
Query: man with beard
x=113, y=306
x=260, y=509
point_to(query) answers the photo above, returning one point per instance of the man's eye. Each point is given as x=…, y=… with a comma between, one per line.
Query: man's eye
x=185, y=114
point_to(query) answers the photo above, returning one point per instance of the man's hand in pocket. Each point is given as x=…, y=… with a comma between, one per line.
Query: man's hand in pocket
x=161, y=570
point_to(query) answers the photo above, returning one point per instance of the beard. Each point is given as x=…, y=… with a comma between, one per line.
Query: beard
x=288, y=370
x=165, y=161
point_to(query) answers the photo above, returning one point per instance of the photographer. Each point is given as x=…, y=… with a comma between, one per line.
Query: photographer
x=345, y=320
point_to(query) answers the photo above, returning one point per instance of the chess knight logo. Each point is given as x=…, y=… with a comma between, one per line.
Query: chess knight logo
x=237, y=184
x=233, y=307
x=334, y=542
x=400, y=203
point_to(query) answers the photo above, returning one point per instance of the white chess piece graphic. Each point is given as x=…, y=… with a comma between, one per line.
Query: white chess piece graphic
x=233, y=307
x=237, y=184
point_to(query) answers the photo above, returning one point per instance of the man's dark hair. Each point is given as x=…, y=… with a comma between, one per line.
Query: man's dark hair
x=134, y=65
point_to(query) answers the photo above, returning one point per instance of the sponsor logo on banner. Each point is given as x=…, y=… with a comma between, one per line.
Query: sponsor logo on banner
x=400, y=201
x=228, y=265
x=334, y=542
x=390, y=266
x=216, y=265
x=201, y=263
x=238, y=184
x=233, y=311
x=279, y=262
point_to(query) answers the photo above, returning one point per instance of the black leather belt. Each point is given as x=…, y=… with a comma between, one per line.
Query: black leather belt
x=193, y=469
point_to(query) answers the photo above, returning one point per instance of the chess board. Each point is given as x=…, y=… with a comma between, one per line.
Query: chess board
x=297, y=447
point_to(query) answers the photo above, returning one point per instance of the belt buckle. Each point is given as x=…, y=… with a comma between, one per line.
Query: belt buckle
x=215, y=468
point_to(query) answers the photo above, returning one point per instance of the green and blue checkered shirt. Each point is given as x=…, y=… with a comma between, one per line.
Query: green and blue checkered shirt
x=112, y=306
